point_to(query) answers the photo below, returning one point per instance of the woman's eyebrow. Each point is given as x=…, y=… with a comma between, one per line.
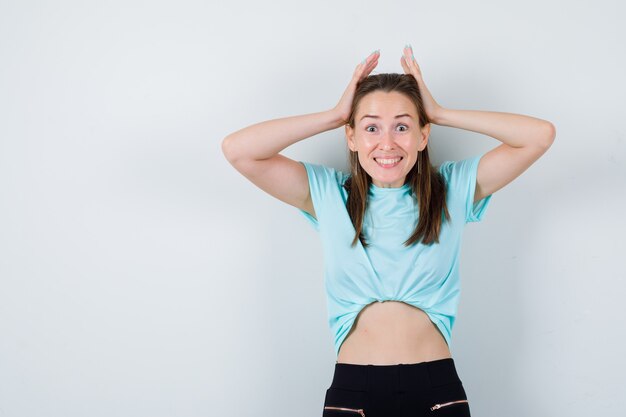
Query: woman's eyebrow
x=373, y=116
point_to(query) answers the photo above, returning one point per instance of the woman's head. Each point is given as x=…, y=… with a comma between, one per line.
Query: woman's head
x=397, y=129
x=387, y=121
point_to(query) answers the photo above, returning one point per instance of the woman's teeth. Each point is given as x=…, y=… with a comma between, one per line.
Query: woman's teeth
x=387, y=163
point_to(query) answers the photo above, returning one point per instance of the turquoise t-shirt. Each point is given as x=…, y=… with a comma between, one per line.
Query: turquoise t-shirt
x=425, y=276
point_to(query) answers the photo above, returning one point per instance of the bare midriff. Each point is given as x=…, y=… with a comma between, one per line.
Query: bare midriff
x=390, y=333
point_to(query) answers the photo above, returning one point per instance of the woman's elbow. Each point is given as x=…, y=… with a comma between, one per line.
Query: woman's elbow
x=228, y=149
x=549, y=135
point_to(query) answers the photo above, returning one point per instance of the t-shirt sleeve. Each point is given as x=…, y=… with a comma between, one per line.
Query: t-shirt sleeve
x=461, y=178
x=321, y=179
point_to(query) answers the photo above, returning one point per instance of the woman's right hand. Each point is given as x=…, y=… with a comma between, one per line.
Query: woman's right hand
x=343, y=108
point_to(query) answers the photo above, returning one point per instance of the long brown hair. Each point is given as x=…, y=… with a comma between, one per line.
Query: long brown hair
x=428, y=187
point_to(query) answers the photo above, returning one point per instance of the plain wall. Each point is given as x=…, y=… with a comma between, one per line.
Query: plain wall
x=141, y=275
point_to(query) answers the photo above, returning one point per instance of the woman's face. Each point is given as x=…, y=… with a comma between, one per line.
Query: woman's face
x=386, y=127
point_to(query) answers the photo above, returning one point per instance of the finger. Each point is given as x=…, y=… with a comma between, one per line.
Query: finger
x=372, y=63
x=368, y=64
x=412, y=66
x=407, y=64
x=405, y=67
x=373, y=57
x=358, y=70
x=368, y=58
x=408, y=57
x=408, y=52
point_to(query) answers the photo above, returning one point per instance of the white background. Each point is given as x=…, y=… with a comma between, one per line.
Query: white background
x=141, y=275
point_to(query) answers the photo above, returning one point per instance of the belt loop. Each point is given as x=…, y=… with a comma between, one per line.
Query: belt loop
x=367, y=377
x=399, y=370
x=430, y=381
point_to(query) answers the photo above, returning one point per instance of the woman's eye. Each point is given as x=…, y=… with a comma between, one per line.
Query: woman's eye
x=373, y=127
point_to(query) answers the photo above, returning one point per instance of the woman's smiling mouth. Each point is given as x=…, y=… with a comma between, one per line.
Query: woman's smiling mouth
x=388, y=162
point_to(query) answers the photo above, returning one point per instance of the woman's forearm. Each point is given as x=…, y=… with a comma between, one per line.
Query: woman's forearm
x=266, y=139
x=515, y=130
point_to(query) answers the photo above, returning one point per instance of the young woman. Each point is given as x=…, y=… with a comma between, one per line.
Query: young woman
x=391, y=230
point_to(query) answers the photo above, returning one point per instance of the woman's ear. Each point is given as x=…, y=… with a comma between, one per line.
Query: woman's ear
x=350, y=138
x=425, y=134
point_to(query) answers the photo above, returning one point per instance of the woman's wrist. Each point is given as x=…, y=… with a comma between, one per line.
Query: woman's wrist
x=439, y=116
x=336, y=118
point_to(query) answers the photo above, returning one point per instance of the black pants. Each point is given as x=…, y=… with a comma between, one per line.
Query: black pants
x=405, y=390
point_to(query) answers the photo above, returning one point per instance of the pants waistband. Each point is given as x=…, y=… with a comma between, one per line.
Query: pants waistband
x=400, y=377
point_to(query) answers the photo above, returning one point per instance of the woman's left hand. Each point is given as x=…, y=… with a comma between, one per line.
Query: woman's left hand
x=409, y=64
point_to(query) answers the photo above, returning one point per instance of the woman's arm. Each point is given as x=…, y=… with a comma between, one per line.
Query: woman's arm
x=254, y=151
x=266, y=139
x=524, y=140
x=515, y=130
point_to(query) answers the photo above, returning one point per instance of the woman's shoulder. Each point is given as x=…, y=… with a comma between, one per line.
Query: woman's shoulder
x=325, y=175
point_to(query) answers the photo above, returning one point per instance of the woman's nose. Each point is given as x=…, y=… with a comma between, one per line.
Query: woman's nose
x=386, y=142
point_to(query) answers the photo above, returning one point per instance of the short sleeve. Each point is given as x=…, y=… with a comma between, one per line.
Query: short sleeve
x=461, y=179
x=321, y=181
